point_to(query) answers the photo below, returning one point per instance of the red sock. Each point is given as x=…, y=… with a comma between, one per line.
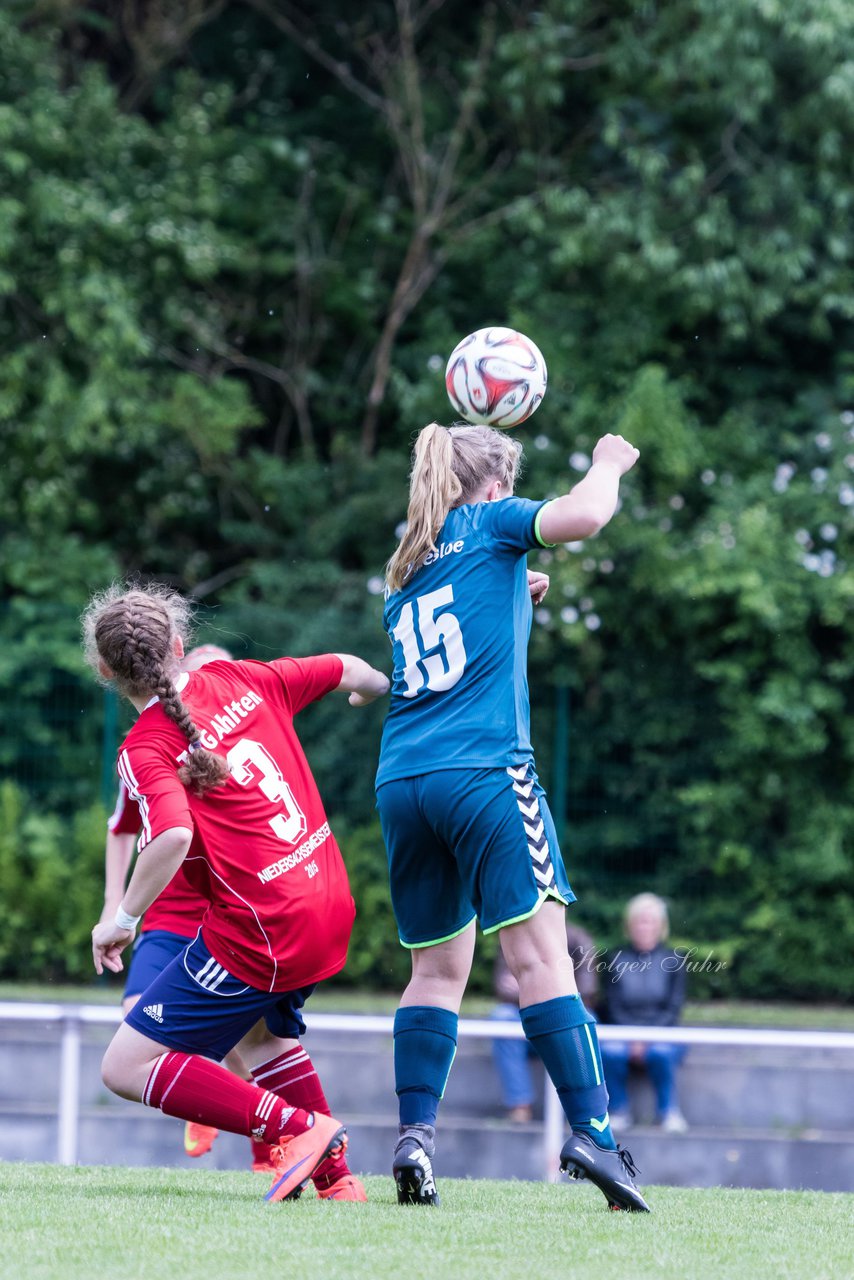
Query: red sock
x=194, y=1088
x=292, y=1076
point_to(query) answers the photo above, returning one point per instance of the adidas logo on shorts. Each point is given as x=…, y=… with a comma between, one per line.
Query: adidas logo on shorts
x=154, y=1011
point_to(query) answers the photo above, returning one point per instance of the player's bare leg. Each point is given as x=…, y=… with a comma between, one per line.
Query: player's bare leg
x=440, y=973
x=198, y=1138
x=536, y=954
x=195, y=1088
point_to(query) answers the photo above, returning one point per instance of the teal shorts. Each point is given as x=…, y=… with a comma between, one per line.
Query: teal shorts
x=465, y=844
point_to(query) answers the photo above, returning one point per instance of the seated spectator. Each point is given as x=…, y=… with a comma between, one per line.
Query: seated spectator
x=512, y=1057
x=644, y=986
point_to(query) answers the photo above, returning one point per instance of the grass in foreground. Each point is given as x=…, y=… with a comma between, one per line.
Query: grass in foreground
x=72, y=1224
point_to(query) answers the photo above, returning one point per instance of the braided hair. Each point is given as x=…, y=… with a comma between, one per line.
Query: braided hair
x=132, y=630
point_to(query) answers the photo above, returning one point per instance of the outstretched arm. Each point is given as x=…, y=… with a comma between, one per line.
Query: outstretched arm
x=362, y=681
x=589, y=506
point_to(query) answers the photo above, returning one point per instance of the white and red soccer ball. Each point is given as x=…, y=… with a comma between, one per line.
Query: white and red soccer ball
x=496, y=377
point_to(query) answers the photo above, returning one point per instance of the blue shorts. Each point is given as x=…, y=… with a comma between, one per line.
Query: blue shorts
x=466, y=843
x=151, y=953
x=196, y=1006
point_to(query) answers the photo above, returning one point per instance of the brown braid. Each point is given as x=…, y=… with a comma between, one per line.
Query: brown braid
x=132, y=631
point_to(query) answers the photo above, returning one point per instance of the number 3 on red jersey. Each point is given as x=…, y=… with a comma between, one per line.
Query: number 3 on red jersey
x=289, y=826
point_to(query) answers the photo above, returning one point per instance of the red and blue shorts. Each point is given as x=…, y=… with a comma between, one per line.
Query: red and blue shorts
x=152, y=951
x=196, y=1006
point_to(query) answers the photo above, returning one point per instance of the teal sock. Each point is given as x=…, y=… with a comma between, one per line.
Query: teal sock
x=564, y=1035
x=425, y=1042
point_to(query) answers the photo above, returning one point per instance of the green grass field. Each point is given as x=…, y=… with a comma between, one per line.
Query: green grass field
x=75, y=1224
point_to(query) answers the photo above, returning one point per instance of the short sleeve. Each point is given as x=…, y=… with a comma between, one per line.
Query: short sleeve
x=125, y=819
x=304, y=680
x=152, y=781
x=511, y=523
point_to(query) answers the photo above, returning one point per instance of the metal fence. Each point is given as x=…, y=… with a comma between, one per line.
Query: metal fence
x=72, y=1018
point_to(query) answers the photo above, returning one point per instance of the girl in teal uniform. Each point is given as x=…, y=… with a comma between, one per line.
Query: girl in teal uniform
x=466, y=823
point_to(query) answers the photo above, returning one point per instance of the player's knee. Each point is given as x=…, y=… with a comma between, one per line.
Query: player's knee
x=441, y=967
x=115, y=1073
x=528, y=964
x=454, y=973
x=109, y=1073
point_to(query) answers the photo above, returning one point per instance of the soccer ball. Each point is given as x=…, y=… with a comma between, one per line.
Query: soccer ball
x=496, y=377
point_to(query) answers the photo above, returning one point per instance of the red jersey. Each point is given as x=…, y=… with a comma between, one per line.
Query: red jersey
x=180, y=907
x=281, y=911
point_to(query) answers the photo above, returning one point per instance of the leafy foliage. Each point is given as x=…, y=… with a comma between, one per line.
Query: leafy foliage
x=50, y=873
x=232, y=258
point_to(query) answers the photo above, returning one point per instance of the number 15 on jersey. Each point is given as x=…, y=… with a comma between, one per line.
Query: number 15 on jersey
x=434, y=655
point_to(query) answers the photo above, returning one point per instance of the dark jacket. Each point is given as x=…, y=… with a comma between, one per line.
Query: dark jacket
x=644, y=988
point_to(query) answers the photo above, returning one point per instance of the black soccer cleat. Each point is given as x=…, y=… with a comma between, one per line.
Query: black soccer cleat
x=613, y=1172
x=413, y=1167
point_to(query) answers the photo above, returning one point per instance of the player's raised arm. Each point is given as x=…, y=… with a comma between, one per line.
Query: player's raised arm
x=362, y=681
x=588, y=507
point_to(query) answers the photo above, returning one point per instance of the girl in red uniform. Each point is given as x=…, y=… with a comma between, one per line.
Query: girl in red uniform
x=172, y=920
x=224, y=789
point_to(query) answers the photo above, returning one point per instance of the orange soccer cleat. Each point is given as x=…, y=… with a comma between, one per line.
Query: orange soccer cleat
x=198, y=1138
x=296, y=1158
x=346, y=1188
x=261, y=1162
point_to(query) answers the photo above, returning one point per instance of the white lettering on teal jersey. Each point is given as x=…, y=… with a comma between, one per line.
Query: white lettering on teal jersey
x=441, y=662
x=445, y=549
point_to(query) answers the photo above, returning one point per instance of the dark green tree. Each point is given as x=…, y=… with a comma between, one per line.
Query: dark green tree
x=237, y=242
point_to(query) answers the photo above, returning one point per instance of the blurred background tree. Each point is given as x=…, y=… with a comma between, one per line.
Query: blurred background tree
x=238, y=240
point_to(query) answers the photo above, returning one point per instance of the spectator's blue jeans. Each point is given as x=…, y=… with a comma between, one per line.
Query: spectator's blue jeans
x=512, y=1059
x=660, y=1063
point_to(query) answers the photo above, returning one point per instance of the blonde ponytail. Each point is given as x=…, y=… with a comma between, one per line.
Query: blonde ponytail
x=433, y=490
x=449, y=465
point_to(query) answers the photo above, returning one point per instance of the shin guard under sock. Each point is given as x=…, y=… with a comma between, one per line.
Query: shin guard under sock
x=194, y=1088
x=425, y=1042
x=292, y=1076
x=564, y=1035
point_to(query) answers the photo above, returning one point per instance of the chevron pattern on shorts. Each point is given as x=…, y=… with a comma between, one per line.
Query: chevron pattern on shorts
x=538, y=845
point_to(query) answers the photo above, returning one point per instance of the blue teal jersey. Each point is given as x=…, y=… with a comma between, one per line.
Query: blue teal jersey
x=459, y=630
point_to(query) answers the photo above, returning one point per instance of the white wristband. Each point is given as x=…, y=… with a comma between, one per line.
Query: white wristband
x=124, y=921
